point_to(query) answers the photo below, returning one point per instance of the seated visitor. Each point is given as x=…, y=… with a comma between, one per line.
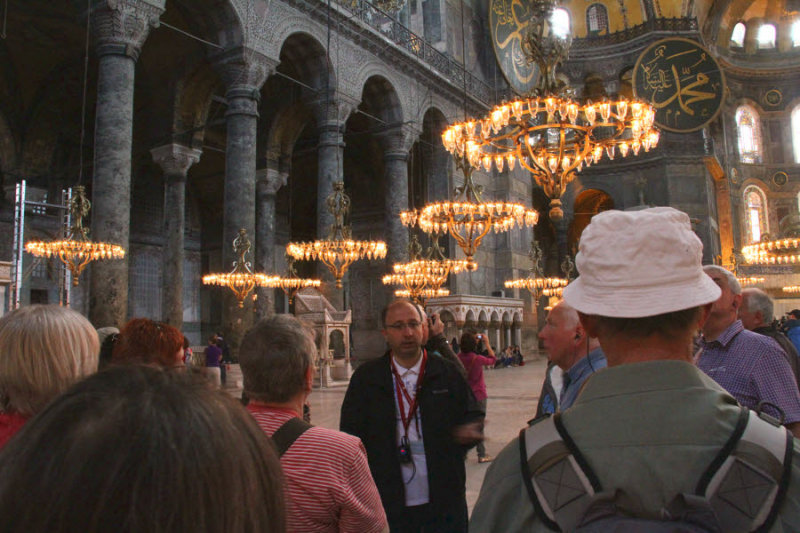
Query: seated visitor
x=44, y=349
x=140, y=449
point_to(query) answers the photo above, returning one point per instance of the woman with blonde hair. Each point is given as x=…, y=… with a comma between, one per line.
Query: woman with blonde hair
x=44, y=349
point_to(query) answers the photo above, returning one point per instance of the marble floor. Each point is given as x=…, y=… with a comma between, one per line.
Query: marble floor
x=513, y=393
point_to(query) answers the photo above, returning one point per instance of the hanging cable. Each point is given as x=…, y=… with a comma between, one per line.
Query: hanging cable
x=5, y=19
x=85, y=83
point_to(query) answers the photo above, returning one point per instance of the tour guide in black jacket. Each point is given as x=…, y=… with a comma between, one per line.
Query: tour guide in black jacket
x=449, y=421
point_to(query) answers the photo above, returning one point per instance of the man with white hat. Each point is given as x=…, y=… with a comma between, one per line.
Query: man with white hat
x=651, y=438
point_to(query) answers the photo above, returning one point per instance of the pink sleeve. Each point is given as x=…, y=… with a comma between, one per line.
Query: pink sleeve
x=362, y=510
x=485, y=360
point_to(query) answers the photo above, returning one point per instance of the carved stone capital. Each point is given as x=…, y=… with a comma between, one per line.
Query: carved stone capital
x=397, y=141
x=243, y=67
x=335, y=108
x=121, y=26
x=270, y=180
x=175, y=159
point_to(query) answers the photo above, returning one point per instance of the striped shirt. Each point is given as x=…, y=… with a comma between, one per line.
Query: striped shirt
x=753, y=369
x=329, y=487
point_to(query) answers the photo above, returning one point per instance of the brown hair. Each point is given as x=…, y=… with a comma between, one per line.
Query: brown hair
x=145, y=341
x=141, y=449
x=44, y=349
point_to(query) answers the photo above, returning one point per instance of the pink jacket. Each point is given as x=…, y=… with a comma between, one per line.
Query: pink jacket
x=474, y=364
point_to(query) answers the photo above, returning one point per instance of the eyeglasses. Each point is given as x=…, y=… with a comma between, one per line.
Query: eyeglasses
x=400, y=326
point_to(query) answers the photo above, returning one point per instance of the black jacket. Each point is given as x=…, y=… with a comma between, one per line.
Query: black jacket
x=445, y=401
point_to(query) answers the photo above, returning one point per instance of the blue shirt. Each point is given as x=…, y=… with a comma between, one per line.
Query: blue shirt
x=753, y=369
x=575, y=377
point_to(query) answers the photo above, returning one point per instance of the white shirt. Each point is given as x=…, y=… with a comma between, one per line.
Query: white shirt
x=415, y=473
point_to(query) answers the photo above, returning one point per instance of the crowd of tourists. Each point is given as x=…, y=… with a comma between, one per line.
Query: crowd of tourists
x=670, y=403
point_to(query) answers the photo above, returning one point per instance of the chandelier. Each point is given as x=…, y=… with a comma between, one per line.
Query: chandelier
x=339, y=250
x=536, y=282
x=749, y=280
x=292, y=283
x=76, y=251
x=241, y=280
x=780, y=252
x=422, y=277
x=793, y=289
x=467, y=218
x=548, y=132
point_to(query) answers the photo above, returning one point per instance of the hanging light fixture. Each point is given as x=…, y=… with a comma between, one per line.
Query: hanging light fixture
x=548, y=132
x=779, y=252
x=467, y=218
x=292, y=283
x=76, y=251
x=339, y=250
x=536, y=282
x=241, y=280
x=422, y=277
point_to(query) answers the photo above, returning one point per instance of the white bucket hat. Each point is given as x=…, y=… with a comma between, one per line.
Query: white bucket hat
x=635, y=264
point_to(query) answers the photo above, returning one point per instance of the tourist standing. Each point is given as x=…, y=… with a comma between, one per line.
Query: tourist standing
x=474, y=363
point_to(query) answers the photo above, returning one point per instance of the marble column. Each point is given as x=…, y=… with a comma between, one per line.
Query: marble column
x=121, y=28
x=243, y=71
x=268, y=182
x=396, y=143
x=174, y=160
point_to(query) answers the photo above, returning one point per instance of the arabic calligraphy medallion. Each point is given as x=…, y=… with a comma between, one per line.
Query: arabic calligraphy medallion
x=683, y=82
x=509, y=21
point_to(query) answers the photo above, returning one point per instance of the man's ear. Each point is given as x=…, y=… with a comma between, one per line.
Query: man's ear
x=309, y=379
x=737, y=301
x=704, y=314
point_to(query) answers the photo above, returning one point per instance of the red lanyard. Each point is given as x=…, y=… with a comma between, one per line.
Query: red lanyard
x=400, y=389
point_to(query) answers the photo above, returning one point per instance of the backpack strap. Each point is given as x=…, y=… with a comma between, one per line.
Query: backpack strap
x=747, y=481
x=289, y=432
x=559, y=481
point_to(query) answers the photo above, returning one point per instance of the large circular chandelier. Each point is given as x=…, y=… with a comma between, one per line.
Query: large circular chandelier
x=76, y=251
x=292, y=283
x=780, y=252
x=548, y=132
x=241, y=280
x=468, y=219
x=339, y=250
x=537, y=283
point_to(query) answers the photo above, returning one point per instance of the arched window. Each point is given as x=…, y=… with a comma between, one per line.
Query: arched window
x=766, y=36
x=597, y=19
x=749, y=135
x=755, y=207
x=560, y=22
x=795, y=33
x=737, y=37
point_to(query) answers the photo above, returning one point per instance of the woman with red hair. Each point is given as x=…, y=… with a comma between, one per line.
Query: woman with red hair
x=144, y=341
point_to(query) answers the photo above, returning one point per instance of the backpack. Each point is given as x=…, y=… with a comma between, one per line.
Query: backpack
x=740, y=491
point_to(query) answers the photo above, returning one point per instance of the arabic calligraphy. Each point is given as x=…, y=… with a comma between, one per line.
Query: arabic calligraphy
x=682, y=81
x=509, y=21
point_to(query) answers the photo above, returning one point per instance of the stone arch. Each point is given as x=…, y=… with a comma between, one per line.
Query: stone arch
x=219, y=22
x=192, y=96
x=336, y=343
x=380, y=99
x=588, y=203
x=284, y=130
x=304, y=58
x=429, y=162
x=289, y=25
x=469, y=317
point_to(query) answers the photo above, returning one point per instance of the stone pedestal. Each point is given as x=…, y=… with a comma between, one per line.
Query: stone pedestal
x=174, y=160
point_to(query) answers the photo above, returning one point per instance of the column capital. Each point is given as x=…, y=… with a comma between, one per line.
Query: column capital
x=243, y=69
x=332, y=108
x=122, y=26
x=270, y=180
x=175, y=159
x=397, y=140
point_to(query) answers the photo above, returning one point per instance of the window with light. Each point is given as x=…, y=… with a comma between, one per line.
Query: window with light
x=755, y=214
x=597, y=19
x=766, y=36
x=749, y=135
x=737, y=37
x=794, y=33
x=560, y=22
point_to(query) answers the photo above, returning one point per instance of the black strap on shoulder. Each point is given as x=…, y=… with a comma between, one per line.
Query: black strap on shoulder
x=576, y=453
x=733, y=440
x=289, y=432
x=783, y=486
x=527, y=475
